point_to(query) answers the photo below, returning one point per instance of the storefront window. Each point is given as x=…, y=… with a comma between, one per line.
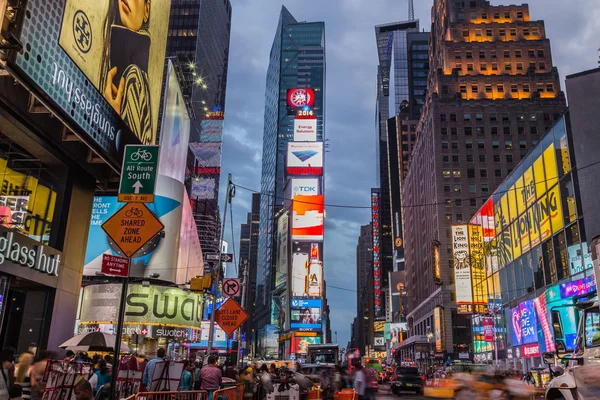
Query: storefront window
x=29, y=191
x=528, y=272
x=568, y=200
x=562, y=149
x=538, y=267
x=549, y=262
x=562, y=257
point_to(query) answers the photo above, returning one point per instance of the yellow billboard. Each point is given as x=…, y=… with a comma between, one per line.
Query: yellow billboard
x=540, y=178
x=550, y=166
x=120, y=47
x=480, y=293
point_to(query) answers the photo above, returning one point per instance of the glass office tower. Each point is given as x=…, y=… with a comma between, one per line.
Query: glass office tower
x=297, y=60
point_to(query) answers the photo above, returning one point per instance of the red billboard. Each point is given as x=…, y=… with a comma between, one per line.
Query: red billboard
x=300, y=97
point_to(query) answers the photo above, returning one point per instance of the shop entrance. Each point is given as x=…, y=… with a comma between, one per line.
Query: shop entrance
x=25, y=310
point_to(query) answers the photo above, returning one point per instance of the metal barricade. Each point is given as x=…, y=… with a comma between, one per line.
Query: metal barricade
x=231, y=393
x=187, y=395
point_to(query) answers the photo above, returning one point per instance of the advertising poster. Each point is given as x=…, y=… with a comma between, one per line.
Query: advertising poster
x=541, y=309
x=300, y=344
x=438, y=329
x=308, y=213
x=462, y=266
x=282, y=250
x=396, y=330
x=211, y=130
x=437, y=270
x=190, y=262
x=305, y=187
x=305, y=130
x=307, y=269
x=120, y=47
x=578, y=288
x=175, y=130
x=305, y=314
x=397, y=280
x=203, y=188
x=305, y=158
x=528, y=322
x=220, y=339
x=208, y=155
x=161, y=253
x=300, y=98
x=488, y=329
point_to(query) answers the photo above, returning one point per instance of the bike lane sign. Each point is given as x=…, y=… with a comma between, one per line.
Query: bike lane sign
x=138, y=175
x=132, y=227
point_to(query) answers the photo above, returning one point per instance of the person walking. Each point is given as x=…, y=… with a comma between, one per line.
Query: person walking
x=8, y=372
x=100, y=378
x=211, y=377
x=360, y=382
x=186, y=377
x=149, y=370
x=25, y=374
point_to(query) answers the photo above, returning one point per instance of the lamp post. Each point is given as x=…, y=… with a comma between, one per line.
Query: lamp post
x=429, y=339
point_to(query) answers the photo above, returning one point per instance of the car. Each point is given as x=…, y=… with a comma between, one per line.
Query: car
x=407, y=378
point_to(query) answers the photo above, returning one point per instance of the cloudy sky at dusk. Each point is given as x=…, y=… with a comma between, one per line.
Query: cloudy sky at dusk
x=572, y=26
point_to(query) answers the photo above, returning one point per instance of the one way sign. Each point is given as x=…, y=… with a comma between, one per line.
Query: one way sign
x=225, y=257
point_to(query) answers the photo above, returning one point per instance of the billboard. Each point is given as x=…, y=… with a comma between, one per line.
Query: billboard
x=438, y=329
x=305, y=158
x=203, y=188
x=305, y=314
x=476, y=253
x=437, y=270
x=211, y=130
x=208, y=155
x=308, y=213
x=307, y=269
x=282, y=250
x=377, y=299
x=190, y=262
x=300, y=98
x=397, y=280
x=461, y=264
x=175, y=130
x=300, y=344
x=305, y=130
x=524, y=324
x=305, y=187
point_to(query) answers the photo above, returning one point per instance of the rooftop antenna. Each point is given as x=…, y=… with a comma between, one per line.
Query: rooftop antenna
x=411, y=10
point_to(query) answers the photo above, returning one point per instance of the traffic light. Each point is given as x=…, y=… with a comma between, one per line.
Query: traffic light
x=201, y=283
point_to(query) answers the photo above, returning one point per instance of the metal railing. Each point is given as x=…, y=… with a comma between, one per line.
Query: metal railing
x=187, y=395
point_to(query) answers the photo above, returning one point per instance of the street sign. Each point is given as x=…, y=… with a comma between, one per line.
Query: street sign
x=225, y=257
x=230, y=316
x=113, y=265
x=138, y=175
x=231, y=287
x=132, y=227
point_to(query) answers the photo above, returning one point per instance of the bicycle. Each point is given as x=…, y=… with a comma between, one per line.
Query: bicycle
x=134, y=212
x=142, y=154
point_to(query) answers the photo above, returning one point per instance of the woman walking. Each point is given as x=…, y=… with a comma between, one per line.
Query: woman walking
x=25, y=374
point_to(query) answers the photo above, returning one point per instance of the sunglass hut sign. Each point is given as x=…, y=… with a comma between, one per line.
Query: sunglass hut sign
x=21, y=250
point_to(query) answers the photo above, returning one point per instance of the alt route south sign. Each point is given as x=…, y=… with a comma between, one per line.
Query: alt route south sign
x=138, y=176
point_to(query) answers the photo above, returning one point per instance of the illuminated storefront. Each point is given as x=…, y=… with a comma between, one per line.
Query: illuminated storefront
x=536, y=256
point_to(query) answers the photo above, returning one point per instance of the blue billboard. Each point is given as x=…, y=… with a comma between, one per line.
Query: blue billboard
x=306, y=314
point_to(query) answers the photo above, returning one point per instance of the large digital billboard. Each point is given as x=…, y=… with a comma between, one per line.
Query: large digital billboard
x=300, y=97
x=211, y=130
x=305, y=187
x=208, y=155
x=462, y=268
x=377, y=299
x=300, y=344
x=305, y=130
x=308, y=214
x=282, y=249
x=305, y=158
x=175, y=130
x=306, y=314
x=120, y=47
x=307, y=269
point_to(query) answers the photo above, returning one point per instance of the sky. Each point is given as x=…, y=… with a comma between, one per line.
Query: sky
x=573, y=27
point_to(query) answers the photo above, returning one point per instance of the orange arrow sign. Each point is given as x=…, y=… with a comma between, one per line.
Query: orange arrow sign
x=132, y=227
x=230, y=316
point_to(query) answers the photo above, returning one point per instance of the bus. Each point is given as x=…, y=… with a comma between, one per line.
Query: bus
x=324, y=354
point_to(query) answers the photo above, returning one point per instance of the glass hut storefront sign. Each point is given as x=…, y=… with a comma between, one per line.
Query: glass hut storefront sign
x=28, y=253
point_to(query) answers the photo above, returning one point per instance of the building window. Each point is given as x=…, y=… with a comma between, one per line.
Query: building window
x=445, y=89
x=498, y=173
x=471, y=173
x=473, y=202
x=507, y=130
x=496, y=157
x=493, y=53
x=531, y=53
x=447, y=188
x=506, y=53
x=509, y=158
x=457, y=187
x=489, y=32
x=480, y=131
x=456, y=173
x=500, y=88
x=520, y=117
x=525, y=31
x=535, y=31
x=457, y=55
x=482, y=158
x=474, y=88
x=513, y=32
x=521, y=130
x=540, y=87
x=507, y=66
x=448, y=217
x=519, y=66
x=484, y=15
x=508, y=144
x=448, y=203
x=469, y=67
x=542, y=66
x=481, y=144
x=494, y=130
x=507, y=14
x=483, y=173
x=444, y=131
x=446, y=173
x=522, y=144
x=463, y=88
x=468, y=130
x=472, y=188
x=505, y=116
x=520, y=14
x=443, y=117
x=445, y=159
x=479, y=117
x=495, y=144
x=549, y=87
x=496, y=15
x=478, y=32
x=493, y=117
x=459, y=217
x=469, y=145
x=488, y=88
x=467, y=117
x=533, y=117
x=455, y=145
x=469, y=55
x=494, y=66
x=444, y=145
x=453, y=131
x=454, y=158
x=514, y=89
x=470, y=158
x=483, y=67
x=526, y=88
x=482, y=54
x=453, y=117
x=458, y=66
x=485, y=188
x=502, y=32
x=540, y=53
x=534, y=130
x=465, y=32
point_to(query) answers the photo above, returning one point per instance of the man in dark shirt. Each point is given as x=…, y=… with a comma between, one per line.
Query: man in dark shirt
x=211, y=377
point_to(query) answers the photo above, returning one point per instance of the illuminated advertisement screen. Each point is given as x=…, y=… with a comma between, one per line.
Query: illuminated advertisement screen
x=305, y=187
x=305, y=314
x=438, y=328
x=307, y=269
x=211, y=130
x=282, y=250
x=208, y=155
x=524, y=324
x=305, y=130
x=300, y=97
x=377, y=299
x=308, y=213
x=300, y=344
x=203, y=188
x=578, y=288
x=462, y=265
x=305, y=158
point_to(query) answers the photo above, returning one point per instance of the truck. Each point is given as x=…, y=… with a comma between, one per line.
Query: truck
x=323, y=354
x=581, y=379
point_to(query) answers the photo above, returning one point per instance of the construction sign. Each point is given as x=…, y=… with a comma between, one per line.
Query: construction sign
x=230, y=316
x=132, y=227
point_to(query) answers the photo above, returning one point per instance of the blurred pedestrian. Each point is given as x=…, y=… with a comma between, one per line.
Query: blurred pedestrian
x=42, y=363
x=83, y=390
x=186, y=377
x=211, y=377
x=360, y=382
x=230, y=371
x=149, y=370
x=15, y=392
x=100, y=378
x=8, y=372
x=25, y=374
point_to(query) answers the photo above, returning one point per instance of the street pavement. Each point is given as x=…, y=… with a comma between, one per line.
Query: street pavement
x=385, y=393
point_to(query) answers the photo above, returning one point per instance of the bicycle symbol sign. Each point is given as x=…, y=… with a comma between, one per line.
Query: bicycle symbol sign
x=138, y=176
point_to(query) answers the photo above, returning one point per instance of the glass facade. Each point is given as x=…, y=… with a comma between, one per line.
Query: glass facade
x=534, y=246
x=297, y=60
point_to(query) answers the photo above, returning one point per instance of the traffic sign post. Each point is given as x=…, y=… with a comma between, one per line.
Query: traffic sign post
x=224, y=257
x=138, y=175
x=114, y=265
x=230, y=316
x=132, y=227
x=231, y=287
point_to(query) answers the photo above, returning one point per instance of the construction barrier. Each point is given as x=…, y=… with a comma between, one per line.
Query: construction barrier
x=231, y=393
x=346, y=394
x=187, y=395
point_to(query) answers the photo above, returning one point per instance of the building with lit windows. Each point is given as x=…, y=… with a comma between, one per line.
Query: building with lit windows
x=492, y=93
x=297, y=61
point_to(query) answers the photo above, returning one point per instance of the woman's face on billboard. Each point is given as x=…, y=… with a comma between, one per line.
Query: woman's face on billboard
x=134, y=13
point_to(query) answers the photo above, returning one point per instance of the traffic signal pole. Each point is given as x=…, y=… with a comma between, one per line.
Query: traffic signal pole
x=216, y=271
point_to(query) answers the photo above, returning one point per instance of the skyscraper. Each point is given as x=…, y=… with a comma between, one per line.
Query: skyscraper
x=297, y=60
x=492, y=91
x=364, y=289
x=199, y=34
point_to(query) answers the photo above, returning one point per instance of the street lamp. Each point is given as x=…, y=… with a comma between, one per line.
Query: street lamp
x=429, y=339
